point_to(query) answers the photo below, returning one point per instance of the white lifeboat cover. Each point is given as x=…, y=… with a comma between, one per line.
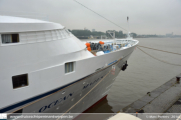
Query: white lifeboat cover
x=100, y=53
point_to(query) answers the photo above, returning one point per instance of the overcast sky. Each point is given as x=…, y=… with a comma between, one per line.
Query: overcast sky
x=145, y=16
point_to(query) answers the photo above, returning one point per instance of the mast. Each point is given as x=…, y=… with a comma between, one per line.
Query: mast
x=129, y=33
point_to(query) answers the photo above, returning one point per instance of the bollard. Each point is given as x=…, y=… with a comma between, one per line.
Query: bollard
x=178, y=79
x=148, y=93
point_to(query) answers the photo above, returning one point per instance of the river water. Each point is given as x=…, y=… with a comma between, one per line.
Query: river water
x=143, y=74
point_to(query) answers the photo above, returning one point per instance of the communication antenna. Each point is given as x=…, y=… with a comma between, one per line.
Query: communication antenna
x=128, y=23
x=129, y=33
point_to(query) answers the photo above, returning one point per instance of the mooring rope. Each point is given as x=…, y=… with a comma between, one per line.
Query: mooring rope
x=157, y=58
x=159, y=50
x=87, y=92
x=100, y=15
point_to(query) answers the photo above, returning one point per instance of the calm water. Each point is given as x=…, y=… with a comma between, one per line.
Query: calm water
x=143, y=74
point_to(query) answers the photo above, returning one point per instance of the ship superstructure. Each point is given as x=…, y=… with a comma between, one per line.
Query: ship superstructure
x=45, y=69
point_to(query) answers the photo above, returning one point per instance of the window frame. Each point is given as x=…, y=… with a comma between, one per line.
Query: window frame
x=74, y=64
x=27, y=80
x=12, y=43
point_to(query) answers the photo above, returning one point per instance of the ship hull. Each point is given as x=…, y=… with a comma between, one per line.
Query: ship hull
x=79, y=95
x=96, y=85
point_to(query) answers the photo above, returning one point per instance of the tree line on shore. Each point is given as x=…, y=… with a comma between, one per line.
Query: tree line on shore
x=86, y=34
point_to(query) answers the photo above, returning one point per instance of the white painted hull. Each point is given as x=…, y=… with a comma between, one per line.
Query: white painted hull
x=41, y=52
x=67, y=96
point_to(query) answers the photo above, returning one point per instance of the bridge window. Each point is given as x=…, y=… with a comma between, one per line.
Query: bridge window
x=69, y=67
x=20, y=81
x=10, y=38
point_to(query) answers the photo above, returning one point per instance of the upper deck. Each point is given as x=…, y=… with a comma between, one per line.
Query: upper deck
x=110, y=45
x=17, y=24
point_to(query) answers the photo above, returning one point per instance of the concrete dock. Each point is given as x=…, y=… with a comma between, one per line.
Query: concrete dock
x=164, y=99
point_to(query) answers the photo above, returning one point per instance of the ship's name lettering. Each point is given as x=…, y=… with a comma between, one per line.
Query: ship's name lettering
x=91, y=83
x=55, y=102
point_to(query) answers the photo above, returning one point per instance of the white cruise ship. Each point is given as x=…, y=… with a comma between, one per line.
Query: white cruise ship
x=45, y=69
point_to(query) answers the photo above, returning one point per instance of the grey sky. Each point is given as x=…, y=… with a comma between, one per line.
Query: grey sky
x=145, y=16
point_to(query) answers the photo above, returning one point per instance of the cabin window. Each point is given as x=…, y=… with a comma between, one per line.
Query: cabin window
x=69, y=67
x=20, y=81
x=10, y=38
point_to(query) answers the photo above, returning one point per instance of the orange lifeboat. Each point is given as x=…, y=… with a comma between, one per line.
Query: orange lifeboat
x=87, y=44
x=89, y=48
x=101, y=42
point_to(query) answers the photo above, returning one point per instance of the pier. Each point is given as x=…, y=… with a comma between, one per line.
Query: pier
x=164, y=99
